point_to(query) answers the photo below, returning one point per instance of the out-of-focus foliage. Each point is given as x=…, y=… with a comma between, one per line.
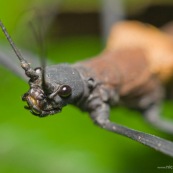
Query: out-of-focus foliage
x=67, y=142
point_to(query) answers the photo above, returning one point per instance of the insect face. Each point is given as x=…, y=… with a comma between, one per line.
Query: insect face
x=38, y=101
x=52, y=89
x=90, y=86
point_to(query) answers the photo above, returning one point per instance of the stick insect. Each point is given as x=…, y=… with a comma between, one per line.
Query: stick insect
x=116, y=76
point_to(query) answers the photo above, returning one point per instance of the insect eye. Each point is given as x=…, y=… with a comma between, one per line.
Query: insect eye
x=64, y=91
x=38, y=70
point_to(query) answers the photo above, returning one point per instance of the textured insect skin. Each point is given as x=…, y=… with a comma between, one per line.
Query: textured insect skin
x=99, y=86
x=65, y=74
x=123, y=74
x=95, y=82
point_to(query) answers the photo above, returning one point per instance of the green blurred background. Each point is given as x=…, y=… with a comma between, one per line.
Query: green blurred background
x=67, y=142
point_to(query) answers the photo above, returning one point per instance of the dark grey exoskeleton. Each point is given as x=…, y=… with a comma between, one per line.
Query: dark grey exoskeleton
x=116, y=76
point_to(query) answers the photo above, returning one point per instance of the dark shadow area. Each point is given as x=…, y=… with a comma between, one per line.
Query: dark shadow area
x=79, y=23
x=157, y=15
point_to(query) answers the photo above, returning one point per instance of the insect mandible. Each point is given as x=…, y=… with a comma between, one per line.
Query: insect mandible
x=121, y=74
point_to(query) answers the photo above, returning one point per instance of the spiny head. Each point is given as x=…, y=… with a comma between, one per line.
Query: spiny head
x=50, y=88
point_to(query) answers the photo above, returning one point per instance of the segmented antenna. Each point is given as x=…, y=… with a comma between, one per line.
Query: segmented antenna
x=24, y=64
x=38, y=35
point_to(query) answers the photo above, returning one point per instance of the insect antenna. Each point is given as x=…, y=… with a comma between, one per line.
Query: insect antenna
x=39, y=34
x=24, y=64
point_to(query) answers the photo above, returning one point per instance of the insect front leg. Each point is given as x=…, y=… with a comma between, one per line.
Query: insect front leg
x=153, y=115
x=100, y=115
x=99, y=110
x=98, y=106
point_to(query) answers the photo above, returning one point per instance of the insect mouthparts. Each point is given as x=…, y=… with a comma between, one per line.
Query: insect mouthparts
x=38, y=103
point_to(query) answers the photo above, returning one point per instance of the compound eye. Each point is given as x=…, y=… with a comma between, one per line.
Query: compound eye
x=64, y=91
x=38, y=70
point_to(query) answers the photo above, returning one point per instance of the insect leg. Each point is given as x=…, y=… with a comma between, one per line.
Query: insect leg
x=153, y=116
x=100, y=116
x=151, y=107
